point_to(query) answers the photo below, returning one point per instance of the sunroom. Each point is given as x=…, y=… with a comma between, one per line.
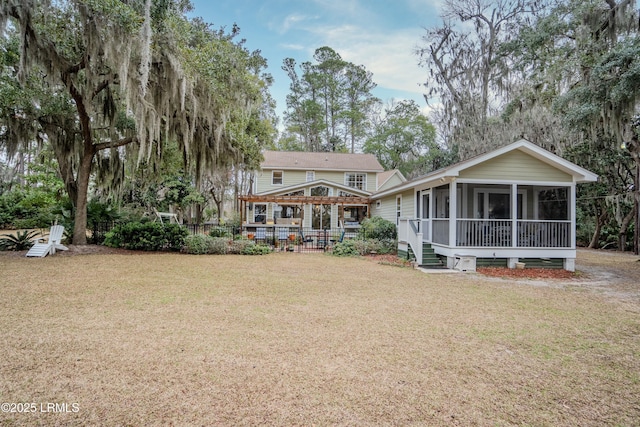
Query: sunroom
x=514, y=204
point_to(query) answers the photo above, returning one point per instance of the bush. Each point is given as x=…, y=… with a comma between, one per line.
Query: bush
x=359, y=247
x=219, y=245
x=239, y=245
x=27, y=208
x=254, y=249
x=377, y=228
x=219, y=232
x=20, y=241
x=196, y=244
x=147, y=236
x=346, y=248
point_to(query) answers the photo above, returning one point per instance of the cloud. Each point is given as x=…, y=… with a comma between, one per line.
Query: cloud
x=291, y=21
x=389, y=55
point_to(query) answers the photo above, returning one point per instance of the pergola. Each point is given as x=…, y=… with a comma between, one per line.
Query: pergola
x=302, y=200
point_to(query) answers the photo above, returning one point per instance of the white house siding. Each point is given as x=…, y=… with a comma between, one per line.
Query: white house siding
x=515, y=166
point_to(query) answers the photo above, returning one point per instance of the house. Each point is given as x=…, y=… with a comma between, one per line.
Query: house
x=315, y=190
x=514, y=204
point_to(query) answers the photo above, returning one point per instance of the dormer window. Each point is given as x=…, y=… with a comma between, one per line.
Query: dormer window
x=276, y=178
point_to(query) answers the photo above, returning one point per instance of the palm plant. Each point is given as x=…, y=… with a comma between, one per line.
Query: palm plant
x=22, y=240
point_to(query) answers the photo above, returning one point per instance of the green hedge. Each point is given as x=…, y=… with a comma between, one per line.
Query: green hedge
x=200, y=244
x=147, y=236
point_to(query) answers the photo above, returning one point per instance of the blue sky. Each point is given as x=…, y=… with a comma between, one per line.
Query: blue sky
x=379, y=34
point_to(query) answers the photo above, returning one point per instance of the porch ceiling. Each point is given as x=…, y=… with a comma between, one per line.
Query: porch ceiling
x=303, y=200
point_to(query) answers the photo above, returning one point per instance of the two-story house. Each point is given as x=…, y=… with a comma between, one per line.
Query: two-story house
x=513, y=204
x=315, y=190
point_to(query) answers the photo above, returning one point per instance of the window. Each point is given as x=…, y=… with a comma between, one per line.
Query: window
x=311, y=176
x=276, y=178
x=260, y=213
x=356, y=180
x=495, y=203
x=320, y=191
x=398, y=209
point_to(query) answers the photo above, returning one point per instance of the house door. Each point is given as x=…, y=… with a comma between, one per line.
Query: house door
x=425, y=206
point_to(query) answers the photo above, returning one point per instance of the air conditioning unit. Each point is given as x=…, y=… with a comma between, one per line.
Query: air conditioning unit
x=465, y=262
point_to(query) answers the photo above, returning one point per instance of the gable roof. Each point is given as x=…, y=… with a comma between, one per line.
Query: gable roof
x=383, y=177
x=579, y=174
x=302, y=160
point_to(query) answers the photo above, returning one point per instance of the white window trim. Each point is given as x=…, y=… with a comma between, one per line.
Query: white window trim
x=266, y=210
x=364, y=181
x=311, y=174
x=281, y=177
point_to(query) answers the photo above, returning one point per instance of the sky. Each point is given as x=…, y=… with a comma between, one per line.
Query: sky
x=382, y=35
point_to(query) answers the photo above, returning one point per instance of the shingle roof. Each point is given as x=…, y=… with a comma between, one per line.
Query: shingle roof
x=318, y=160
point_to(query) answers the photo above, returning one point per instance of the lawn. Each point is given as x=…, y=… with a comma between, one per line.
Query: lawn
x=306, y=339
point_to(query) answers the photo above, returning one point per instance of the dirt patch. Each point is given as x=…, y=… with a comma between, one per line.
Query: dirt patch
x=388, y=259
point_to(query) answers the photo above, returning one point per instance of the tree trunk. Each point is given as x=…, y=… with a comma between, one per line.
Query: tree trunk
x=84, y=173
x=600, y=220
x=624, y=227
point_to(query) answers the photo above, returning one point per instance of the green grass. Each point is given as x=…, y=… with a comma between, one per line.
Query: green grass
x=307, y=339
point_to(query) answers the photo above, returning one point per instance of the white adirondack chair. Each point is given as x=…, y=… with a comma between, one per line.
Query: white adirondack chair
x=42, y=249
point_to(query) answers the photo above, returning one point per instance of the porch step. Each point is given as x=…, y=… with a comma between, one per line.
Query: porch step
x=429, y=258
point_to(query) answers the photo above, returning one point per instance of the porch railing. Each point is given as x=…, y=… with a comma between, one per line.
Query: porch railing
x=483, y=232
x=544, y=234
x=494, y=233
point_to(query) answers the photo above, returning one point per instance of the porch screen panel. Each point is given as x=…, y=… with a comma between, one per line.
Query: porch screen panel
x=499, y=206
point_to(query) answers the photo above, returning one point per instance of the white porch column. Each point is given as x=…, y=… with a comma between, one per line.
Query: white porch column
x=453, y=210
x=514, y=215
x=432, y=210
x=572, y=214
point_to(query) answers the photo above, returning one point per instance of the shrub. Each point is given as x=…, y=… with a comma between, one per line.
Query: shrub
x=196, y=244
x=20, y=241
x=358, y=247
x=219, y=245
x=346, y=248
x=377, y=228
x=239, y=245
x=219, y=232
x=255, y=250
x=147, y=236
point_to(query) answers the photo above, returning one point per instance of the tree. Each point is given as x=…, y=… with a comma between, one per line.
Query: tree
x=127, y=76
x=583, y=58
x=468, y=74
x=405, y=140
x=329, y=102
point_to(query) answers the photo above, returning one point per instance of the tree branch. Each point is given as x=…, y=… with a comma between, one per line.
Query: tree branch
x=115, y=144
